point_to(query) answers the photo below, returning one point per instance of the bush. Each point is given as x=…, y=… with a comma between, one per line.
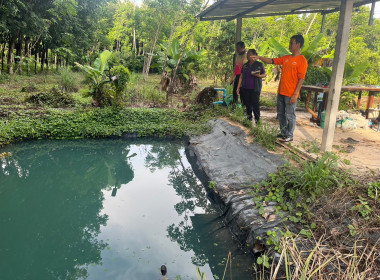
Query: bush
x=54, y=98
x=127, y=59
x=123, y=75
x=315, y=75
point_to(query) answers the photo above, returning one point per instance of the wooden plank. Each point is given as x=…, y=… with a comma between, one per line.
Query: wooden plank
x=295, y=151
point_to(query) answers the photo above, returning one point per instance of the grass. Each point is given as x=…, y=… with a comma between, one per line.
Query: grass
x=345, y=212
x=305, y=259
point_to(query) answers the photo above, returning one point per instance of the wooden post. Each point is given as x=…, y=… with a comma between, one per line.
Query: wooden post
x=337, y=73
x=239, y=23
x=371, y=97
x=323, y=23
x=370, y=22
x=359, y=99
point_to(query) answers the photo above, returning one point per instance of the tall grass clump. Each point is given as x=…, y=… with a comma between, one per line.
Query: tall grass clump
x=69, y=80
x=140, y=91
x=312, y=259
x=237, y=114
x=265, y=134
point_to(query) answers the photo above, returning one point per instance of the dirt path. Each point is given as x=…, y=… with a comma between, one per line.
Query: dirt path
x=363, y=154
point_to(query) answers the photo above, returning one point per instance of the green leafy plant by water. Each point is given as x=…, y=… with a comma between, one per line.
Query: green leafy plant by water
x=95, y=75
x=99, y=123
x=294, y=189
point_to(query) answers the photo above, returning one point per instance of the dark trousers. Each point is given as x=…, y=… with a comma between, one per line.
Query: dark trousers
x=251, y=100
x=234, y=93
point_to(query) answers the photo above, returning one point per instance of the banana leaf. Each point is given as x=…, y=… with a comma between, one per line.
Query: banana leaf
x=354, y=72
x=277, y=47
x=263, y=49
x=174, y=49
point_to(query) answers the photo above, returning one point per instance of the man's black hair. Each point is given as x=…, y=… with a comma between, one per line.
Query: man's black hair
x=299, y=39
x=240, y=44
x=253, y=51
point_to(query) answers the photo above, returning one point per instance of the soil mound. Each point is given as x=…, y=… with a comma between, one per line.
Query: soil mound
x=206, y=96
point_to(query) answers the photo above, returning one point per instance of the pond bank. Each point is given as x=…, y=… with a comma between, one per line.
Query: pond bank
x=225, y=158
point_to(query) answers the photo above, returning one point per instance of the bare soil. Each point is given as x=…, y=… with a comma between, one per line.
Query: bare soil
x=361, y=147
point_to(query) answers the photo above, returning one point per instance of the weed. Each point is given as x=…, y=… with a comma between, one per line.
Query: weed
x=374, y=190
x=296, y=189
x=265, y=134
x=311, y=146
x=363, y=208
x=69, y=80
x=352, y=229
x=212, y=185
x=263, y=260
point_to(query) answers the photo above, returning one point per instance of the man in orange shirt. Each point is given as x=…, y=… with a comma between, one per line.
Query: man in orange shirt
x=294, y=69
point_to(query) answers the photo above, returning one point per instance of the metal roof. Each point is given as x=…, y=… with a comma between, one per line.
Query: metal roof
x=231, y=9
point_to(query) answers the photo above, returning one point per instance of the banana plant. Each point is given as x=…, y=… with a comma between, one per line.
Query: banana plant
x=351, y=72
x=95, y=74
x=310, y=49
x=188, y=62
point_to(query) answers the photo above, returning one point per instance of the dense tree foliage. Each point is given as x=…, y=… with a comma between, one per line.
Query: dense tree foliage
x=61, y=32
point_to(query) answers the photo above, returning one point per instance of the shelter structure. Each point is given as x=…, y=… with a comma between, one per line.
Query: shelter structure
x=238, y=9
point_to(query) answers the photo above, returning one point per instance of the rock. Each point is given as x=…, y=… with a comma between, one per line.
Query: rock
x=349, y=149
x=349, y=140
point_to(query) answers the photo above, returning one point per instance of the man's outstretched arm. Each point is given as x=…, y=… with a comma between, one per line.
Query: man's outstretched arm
x=263, y=59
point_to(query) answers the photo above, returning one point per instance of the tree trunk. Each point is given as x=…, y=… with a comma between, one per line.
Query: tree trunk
x=172, y=82
x=134, y=30
x=47, y=59
x=149, y=58
x=42, y=55
x=19, y=54
x=27, y=52
x=164, y=74
x=2, y=56
x=171, y=87
x=134, y=41
x=35, y=60
x=11, y=57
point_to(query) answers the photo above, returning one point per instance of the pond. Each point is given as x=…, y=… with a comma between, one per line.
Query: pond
x=109, y=209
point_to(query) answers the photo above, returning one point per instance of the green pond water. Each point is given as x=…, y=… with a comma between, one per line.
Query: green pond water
x=109, y=209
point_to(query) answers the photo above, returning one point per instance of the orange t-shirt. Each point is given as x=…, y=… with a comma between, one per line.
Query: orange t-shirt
x=293, y=69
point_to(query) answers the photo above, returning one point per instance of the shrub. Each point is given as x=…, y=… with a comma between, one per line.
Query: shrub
x=315, y=75
x=120, y=83
x=54, y=98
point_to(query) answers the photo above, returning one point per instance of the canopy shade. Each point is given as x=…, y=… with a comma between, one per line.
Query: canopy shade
x=231, y=9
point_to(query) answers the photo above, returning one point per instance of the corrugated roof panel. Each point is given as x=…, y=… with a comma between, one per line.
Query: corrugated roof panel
x=230, y=9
